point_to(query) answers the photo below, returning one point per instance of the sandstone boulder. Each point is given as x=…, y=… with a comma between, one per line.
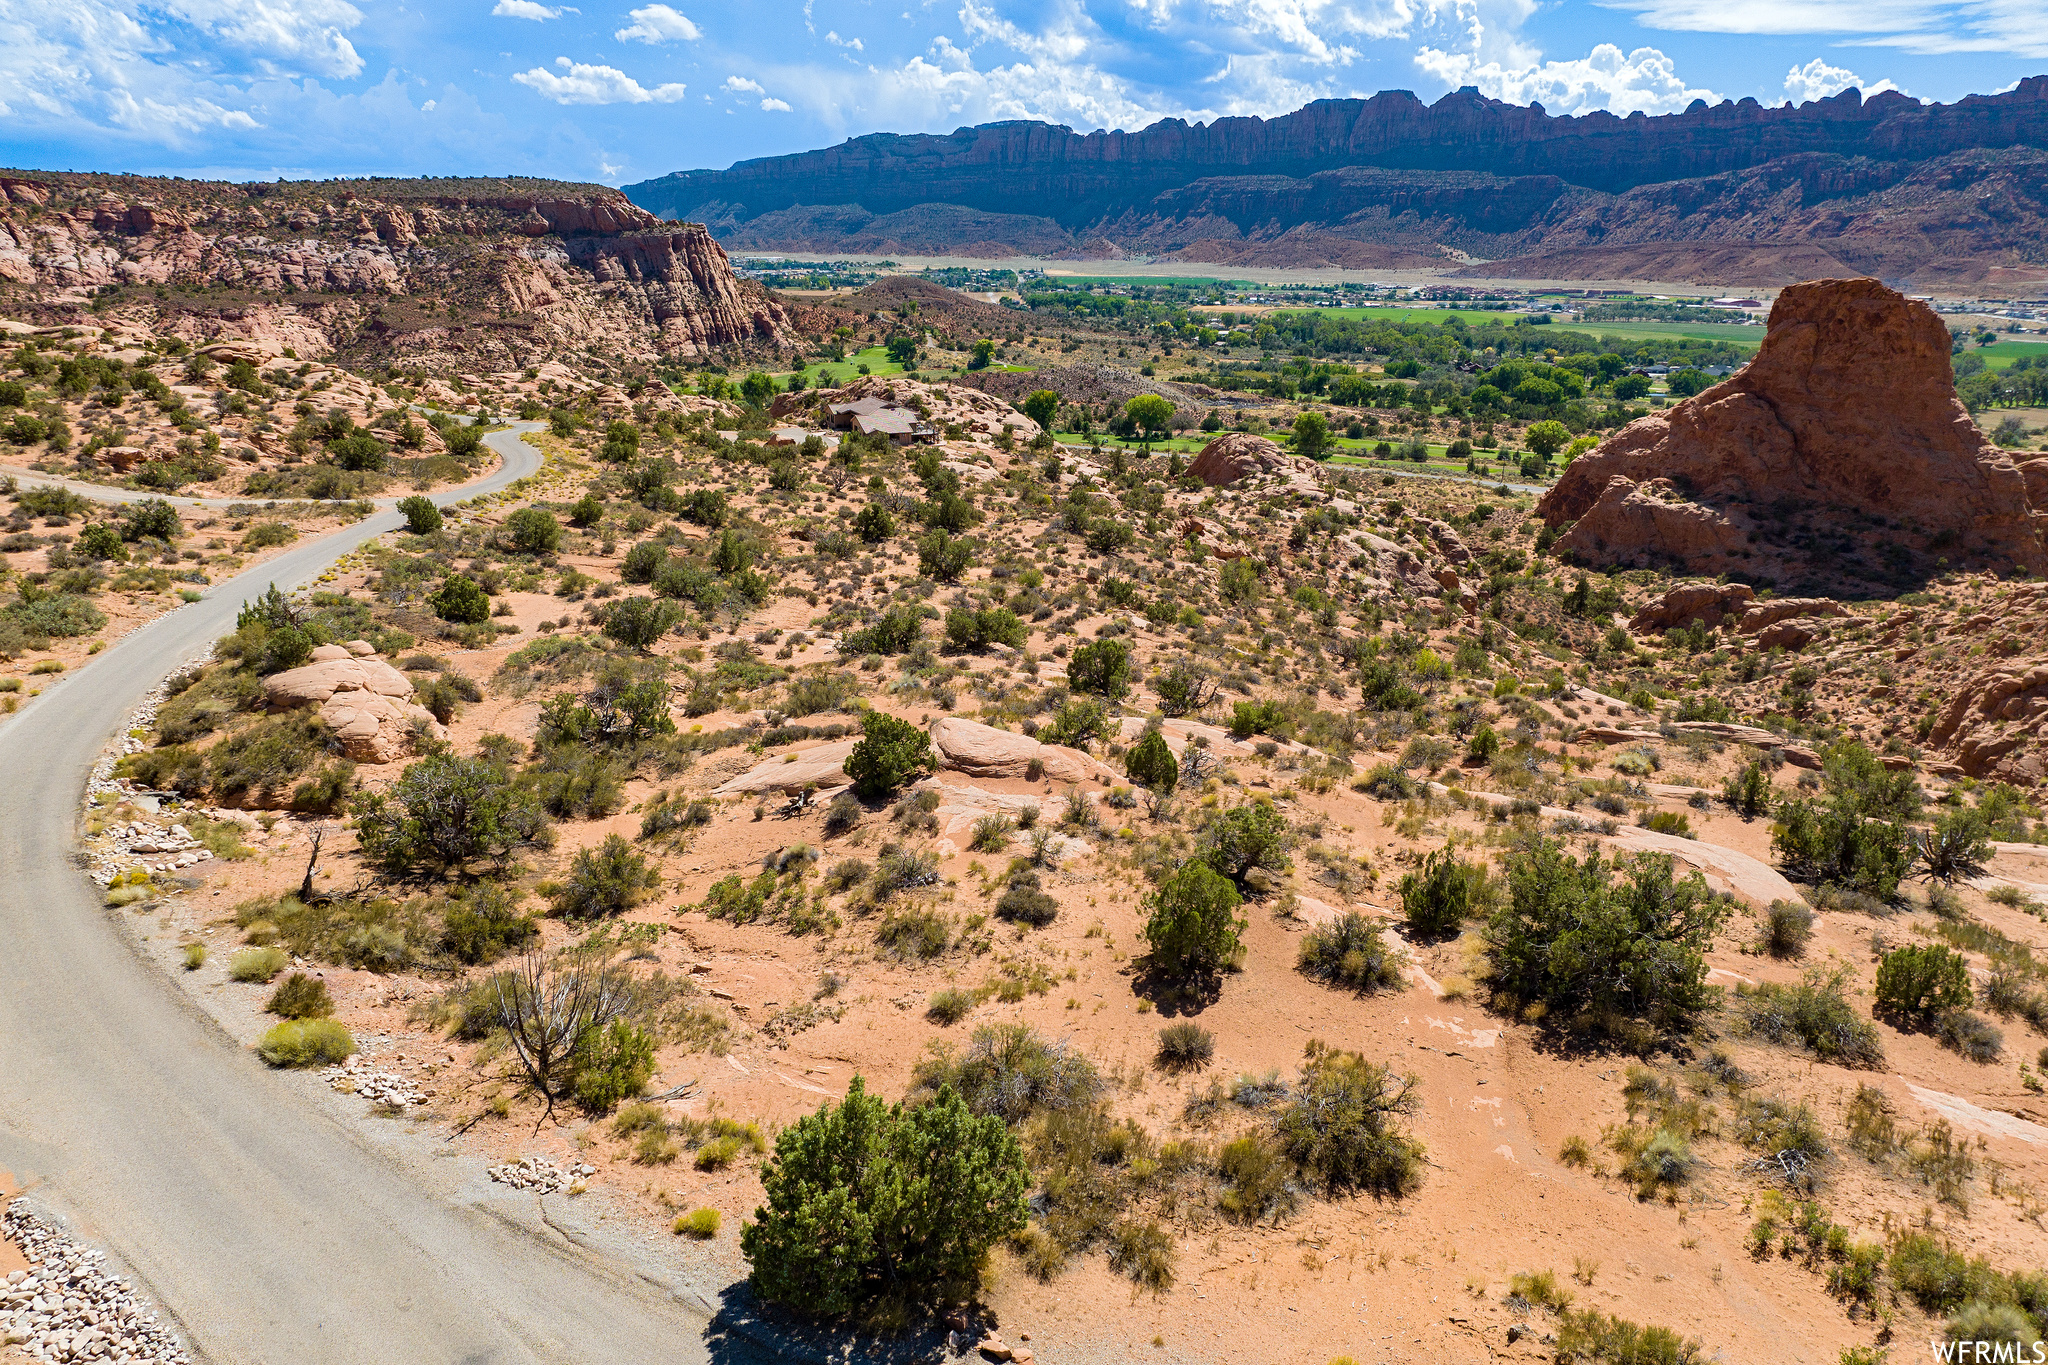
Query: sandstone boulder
x=1239, y=455
x=979, y=750
x=1844, y=430
x=1712, y=603
x=363, y=701
x=822, y=767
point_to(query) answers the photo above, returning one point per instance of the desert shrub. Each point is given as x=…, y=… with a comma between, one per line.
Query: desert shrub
x=1341, y=1128
x=1010, y=1072
x=890, y=752
x=1857, y=837
x=1143, y=1253
x=1938, y=1277
x=102, y=541
x=606, y=880
x=484, y=925
x=2012, y=1334
x=1655, y=1159
x=1748, y=793
x=1921, y=982
x=421, y=516
x=1350, y=951
x=699, y=1224
x=991, y=833
x=1025, y=901
x=1254, y=835
x=193, y=956
x=460, y=601
x=1385, y=782
x=1540, y=1287
x=534, y=531
x=257, y=964
x=1778, y=1128
x=913, y=934
x=61, y=615
x=984, y=626
x=943, y=556
x=1101, y=667
x=151, y=519
x=443, y=695
x=842, y=815
x=306, y=1042
x=1185, y=1046
x=1150, y=763
x=1078, y=720
x=1193, y=927
x=1436, y=901
x=1968, y=1035
x=1593, y=1338
x=1958, y=845
x=638, y=622
x=1256, y=1176
x=874, y=523
x=612, y=1063
x=445, y=811
x=1816, y=1014
x=1594, y=951
x=949, y=1006
x=866, y=1202
x=301, y=997
x=1787, y=926
x=902, y=869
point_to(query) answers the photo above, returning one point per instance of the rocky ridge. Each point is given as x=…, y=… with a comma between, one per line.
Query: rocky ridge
x=1887, y=185
x=444, y=273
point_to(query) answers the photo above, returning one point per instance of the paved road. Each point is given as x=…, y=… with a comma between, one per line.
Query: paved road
x=276, y=1232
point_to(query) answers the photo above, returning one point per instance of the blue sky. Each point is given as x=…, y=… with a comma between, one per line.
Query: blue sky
x=621, y=91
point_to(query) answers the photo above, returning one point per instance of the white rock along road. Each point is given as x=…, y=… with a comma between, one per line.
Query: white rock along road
x=270, y=1229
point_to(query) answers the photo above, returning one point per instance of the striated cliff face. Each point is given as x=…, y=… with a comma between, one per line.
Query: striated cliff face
x=1888, y=184
x=444, y=274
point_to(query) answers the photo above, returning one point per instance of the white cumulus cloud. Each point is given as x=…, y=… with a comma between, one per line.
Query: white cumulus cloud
x=581, y=84
x=307, y=36
x=658, y=24
x=1817, y=81
x=774, y=106
x=854, y=43
x=1605, y=78
x=527, y=9
x=740, y=85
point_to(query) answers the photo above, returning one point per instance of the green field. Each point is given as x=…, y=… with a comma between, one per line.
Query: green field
x=1748, y=338
x=1149, y=281
x=1394, y=314
x=2000, y=355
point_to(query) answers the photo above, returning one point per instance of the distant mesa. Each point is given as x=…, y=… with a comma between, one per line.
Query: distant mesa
x=1839, y=457
x=1736, y=193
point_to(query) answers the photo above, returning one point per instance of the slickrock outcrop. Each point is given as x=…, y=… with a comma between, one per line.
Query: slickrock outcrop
x=979, y=750
x=945, y=406
x=363, y=701
x=1840, y=453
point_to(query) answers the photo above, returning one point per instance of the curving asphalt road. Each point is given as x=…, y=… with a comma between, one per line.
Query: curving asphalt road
x=274, y=1229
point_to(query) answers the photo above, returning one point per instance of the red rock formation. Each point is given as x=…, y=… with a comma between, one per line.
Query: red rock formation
x=1239, y=455
x=540, y=273
x=1845, y=424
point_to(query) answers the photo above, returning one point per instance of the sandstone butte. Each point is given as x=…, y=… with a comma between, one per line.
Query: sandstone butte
x=1840, y=455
